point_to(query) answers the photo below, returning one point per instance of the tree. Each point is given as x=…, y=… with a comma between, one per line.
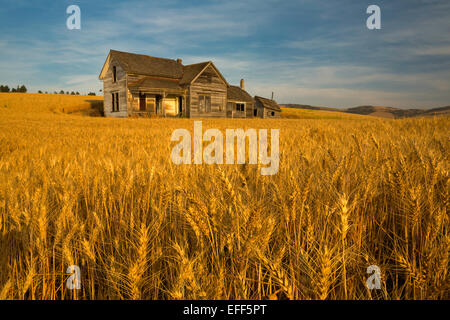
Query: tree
x=22, y=89
x=72, y=93
x=4, y=88
x=61, y=92
x=13, y=90
x=39, y=91
x=77, y=93
x=91, y=94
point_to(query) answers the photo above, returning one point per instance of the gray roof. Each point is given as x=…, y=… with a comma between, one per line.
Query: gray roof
x=191, y=71
x=237, y=94
x=157, y=83
x=155, y=67
x=268, y=103
x=147, y=65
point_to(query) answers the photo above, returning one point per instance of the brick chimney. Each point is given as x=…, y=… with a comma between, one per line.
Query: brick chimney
x=179, y=61
x=242, y=84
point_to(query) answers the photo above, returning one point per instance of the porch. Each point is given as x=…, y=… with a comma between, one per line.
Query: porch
x=163, y=103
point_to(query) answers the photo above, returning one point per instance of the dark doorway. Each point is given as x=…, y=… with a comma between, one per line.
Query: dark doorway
x=157, y=104
x=255, y=112
x=142, y=103
x=180, y=106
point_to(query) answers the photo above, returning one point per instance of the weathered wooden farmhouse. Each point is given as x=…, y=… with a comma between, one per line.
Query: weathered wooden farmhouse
x=136, y=84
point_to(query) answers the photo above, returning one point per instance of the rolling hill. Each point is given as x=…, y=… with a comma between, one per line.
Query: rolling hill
x=377, y=111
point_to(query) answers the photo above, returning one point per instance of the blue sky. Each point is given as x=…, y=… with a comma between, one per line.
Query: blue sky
x=306, y=51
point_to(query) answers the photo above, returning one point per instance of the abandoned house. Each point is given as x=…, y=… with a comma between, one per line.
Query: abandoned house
x=136, y=84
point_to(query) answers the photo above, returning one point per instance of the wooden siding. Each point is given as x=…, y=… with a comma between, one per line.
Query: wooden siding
x=272, y=114
x=249, y=110
x=210, y=84
x=120, y=86
x=233, y=113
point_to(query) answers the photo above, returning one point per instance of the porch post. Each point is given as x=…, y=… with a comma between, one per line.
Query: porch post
x=162, y=104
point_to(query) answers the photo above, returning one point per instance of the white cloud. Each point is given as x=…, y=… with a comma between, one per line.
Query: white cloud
x=343, y=98
x=434, y=51
x=80, y=79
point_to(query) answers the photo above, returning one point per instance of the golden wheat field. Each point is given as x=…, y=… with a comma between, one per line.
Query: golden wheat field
x=102, y=194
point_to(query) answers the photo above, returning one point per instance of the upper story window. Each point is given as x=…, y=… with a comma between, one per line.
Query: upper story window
x=114, y=74
x=240, y=106
x=204, y=103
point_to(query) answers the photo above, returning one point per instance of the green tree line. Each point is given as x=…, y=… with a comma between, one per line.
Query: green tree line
x=23, y=89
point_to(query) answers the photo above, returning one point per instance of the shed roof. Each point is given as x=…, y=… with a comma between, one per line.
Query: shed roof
x=236, y=93
x=268, y=103
x=157, y=83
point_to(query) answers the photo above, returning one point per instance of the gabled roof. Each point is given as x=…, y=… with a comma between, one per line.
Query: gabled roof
x=268, y=103
x=157, y=67
x=237, y=94
x=145, y=65
x=191, y=71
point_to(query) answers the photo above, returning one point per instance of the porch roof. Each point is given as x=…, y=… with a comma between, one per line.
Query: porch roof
x=156, y=83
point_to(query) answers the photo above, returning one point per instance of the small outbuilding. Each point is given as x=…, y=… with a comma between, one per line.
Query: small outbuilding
x=266, y=108
x=240, y=104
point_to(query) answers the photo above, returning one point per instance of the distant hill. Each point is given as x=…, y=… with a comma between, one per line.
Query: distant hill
x=305, y=106
x=379, y=111
x=311, y=113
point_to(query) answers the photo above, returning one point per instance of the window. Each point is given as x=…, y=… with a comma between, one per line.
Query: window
x=240, y=106
x=113, y=104
x=222, y=104
x=204, y=103
x=142, y=102
x=114, y=74
x=273, y=113
x=115, y=101
x=208, y=103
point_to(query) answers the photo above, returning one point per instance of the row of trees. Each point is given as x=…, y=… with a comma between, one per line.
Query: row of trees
x=62, y=92
x=21, y=88
x=71, y=93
